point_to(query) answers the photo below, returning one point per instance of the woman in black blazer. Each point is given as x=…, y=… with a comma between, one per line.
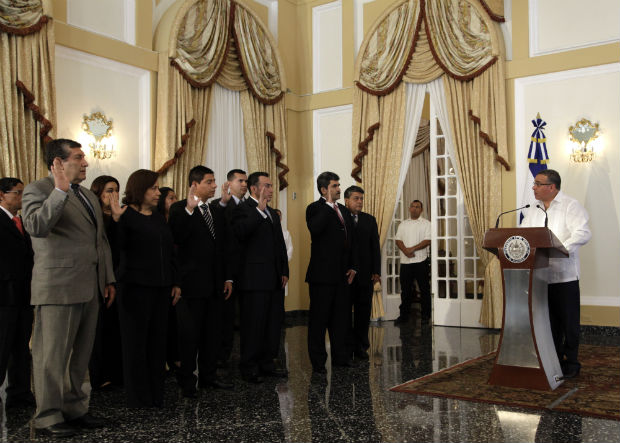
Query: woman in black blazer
x=147, y=277
x=106, y=363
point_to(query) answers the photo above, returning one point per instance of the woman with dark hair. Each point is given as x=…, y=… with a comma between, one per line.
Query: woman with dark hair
x=106, y=361
x=166, y=199
x=147, y=278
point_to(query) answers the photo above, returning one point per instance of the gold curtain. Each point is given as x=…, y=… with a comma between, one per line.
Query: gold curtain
x=28, y=105
x=384, y=144
x=223, y=41
x=458, y=40
x=480, y=178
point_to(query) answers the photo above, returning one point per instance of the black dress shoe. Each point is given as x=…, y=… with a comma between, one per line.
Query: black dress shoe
x=190, y=392
x=344, y=364
x=59, y=430
x=360, y=354
x=319, y=370
x=401, y=321
x=276, y=372
x=217, y=383
x=88, y=421
x=571, y=372
x=253, y=378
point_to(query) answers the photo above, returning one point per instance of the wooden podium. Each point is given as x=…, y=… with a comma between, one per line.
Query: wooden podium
x=526, y=356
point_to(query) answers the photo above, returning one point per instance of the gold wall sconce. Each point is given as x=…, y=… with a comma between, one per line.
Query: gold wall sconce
x=99, y=129
x=582, y=134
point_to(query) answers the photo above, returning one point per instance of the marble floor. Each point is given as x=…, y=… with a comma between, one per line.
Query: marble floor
x=349, y=404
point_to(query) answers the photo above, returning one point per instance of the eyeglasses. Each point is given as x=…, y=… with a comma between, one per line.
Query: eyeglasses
x=14, y=192
x=538, y=185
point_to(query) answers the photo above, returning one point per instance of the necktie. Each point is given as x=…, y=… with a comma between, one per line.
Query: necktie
x=18, y=223
x=355, y=219
x=340, y=217
x=208, y=218
x=78, y=194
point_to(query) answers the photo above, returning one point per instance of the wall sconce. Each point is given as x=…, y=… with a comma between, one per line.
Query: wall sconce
x=582, y=134
x=99, y=128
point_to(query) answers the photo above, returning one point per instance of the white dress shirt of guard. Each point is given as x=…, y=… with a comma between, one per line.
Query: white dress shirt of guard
x=411, y=232
x=568, y=220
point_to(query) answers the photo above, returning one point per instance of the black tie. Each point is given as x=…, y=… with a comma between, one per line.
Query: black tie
x=207, y=216
x=78, y=194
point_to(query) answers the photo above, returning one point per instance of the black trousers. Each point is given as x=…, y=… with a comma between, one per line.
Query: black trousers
x=199, y=328
x=564, y=311
x=172, y=340
x=143, y=314
x=106, y=360
x=361, y=300
x=330, y=310
x=15, y=330
x=229, y=308
x=410, y=273
x=262, y=313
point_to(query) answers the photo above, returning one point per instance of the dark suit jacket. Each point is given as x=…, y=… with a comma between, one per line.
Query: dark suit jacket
x=202, y=264
x=263, y=252
x=330, y=253
x=146, y=250
x=15, y=264
x=367, y=250
x=232, y=248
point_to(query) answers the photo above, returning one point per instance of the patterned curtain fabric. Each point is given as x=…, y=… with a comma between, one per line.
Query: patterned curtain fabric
x=219, y=41
x=201, y=41
x=458, y=40
x=258, y=57
x=385, y=54
x=28, y=96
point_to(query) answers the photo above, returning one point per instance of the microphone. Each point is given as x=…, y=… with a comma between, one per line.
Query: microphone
x=546, y=216
x=507, y=212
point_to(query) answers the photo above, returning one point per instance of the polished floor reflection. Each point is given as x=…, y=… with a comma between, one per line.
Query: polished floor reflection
x=346, y=405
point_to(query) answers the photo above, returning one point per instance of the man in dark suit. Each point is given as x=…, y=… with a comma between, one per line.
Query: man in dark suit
x=368, y=253
x=72, y=269
x=15, y=310
x=330, y=272
x=237, y=181
x=263, y=276
x=200, y=236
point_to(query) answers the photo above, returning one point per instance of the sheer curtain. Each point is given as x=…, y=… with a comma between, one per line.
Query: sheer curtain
x=225, y=142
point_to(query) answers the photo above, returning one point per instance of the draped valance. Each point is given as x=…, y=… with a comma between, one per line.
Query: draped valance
x=222, y=35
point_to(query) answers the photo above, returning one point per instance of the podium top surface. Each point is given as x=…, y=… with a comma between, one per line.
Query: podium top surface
x=539, y=238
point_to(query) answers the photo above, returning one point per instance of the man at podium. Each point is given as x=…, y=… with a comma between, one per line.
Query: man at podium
x=568, y=220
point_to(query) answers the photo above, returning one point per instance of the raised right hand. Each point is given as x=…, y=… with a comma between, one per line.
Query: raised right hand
x=60, y=179
x=115, y=207
x=192, y=200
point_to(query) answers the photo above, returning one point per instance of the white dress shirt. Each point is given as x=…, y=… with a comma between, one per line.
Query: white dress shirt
x=411, y=232
x=568, y=220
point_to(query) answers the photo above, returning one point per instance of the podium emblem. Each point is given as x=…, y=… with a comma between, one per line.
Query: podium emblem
x=516, y=249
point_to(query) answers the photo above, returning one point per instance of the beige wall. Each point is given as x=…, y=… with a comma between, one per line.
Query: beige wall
x=294, y=26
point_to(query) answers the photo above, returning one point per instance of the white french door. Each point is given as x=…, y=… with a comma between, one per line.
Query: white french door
x=457, y=272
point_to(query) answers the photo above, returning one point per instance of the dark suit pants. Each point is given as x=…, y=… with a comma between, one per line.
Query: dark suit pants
x=106, y=361
x=564, y=310
x=330, y=309
x=361, y=299
x=15, y=330
x=62, y=341
x=409, y=274
x=199, y=328
x=228, y=326
x=143, y=313
x=262, y=313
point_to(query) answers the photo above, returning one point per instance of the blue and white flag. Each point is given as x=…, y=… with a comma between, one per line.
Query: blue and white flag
x=537, y=159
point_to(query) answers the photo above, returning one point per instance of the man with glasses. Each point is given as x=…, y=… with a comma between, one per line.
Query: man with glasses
x=15, y=310
x=568, y=220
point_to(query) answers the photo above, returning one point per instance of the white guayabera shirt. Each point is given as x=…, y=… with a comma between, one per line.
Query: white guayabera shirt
x=568, y=220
